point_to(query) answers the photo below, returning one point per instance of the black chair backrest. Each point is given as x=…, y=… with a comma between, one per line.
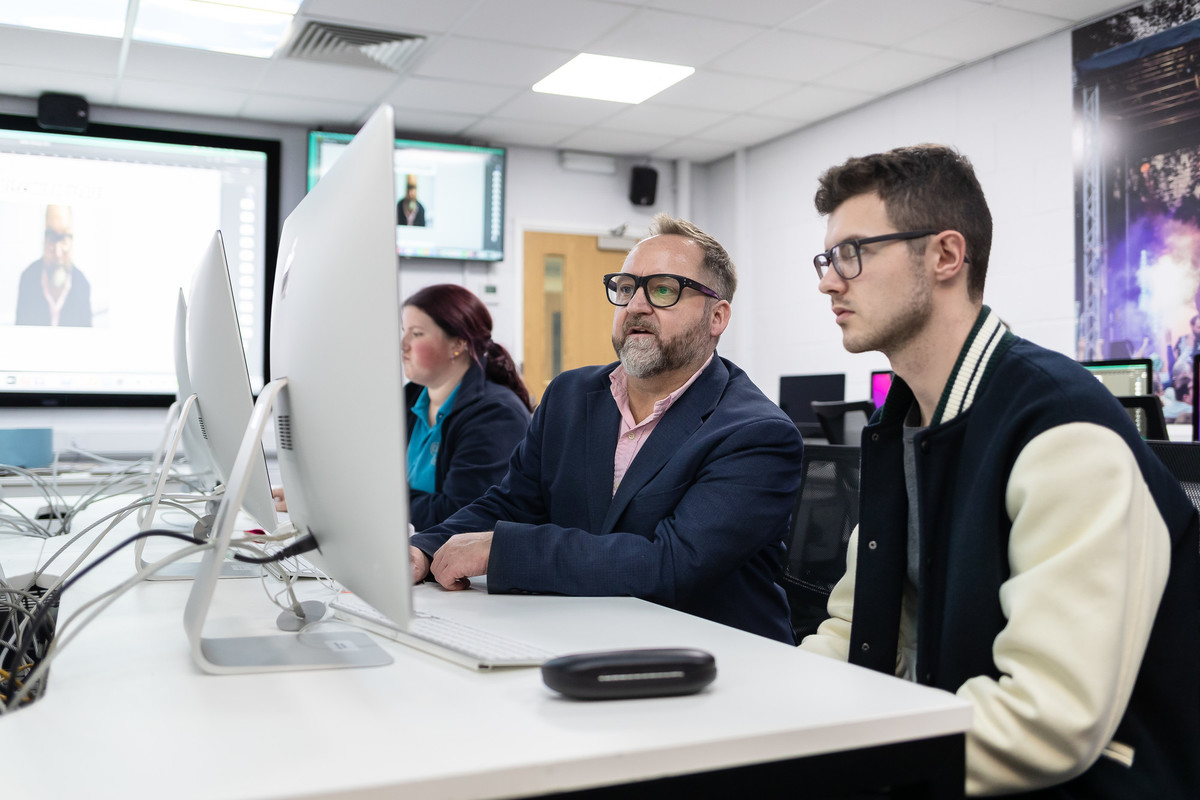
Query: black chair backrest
x=1183, y=460
x=823, y=516
x=1147, y=413
x=842, y=421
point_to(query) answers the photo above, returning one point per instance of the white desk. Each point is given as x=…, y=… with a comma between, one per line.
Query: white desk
x=128, y=715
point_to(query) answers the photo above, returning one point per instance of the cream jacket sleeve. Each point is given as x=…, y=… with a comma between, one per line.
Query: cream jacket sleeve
x=1089, y=556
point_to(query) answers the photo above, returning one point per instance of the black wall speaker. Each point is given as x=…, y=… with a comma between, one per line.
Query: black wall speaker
x=642, y=186
x=63, y=112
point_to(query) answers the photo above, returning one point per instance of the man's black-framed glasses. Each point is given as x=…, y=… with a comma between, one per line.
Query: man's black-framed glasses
x=846, y=257
x=662, y=290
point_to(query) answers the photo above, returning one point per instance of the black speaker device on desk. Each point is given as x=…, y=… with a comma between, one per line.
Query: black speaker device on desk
x=643, y=185
x=621, y=674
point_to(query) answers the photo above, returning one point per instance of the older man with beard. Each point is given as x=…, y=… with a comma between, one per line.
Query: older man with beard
x=666, y=475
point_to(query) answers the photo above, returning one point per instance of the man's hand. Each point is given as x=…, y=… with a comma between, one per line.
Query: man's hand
x=280, y=501
x=463, y=556
x=420, y=563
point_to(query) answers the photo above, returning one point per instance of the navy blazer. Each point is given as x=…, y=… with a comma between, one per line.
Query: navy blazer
x=698, y=522
x=478, y=436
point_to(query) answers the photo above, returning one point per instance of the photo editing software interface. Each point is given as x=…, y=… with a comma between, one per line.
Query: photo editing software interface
x=449, y=197
x=100, y=232
x=1127, y=378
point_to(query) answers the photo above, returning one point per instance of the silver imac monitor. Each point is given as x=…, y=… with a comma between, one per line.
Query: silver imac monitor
x=216, y=367
x=337, y=400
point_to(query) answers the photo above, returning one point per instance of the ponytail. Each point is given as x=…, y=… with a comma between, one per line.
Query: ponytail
x=498, y=367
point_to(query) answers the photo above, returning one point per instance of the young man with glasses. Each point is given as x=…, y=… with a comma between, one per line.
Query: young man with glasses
x=666, y=476
x=1018, y=543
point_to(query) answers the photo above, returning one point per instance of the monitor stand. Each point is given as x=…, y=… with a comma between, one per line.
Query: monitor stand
x=276, y=653
x=180, y=570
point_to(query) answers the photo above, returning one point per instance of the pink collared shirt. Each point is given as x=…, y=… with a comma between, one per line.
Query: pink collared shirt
x=56, y=303
x=633, y=434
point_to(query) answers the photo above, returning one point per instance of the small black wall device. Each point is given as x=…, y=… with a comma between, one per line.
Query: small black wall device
x=62, y=112
x=618, y=674
x=643, y=184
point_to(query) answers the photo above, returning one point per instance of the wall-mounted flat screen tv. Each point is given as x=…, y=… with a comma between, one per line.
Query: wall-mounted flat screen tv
x=100, y=231
x=450, y=197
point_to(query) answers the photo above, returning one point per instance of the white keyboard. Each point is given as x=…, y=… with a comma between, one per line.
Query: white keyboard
x=463, y=644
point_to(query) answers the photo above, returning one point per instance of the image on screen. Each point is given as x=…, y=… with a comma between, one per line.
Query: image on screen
x=1124, y=378
x=449, y=197
x=881, y=382
x=100, y=231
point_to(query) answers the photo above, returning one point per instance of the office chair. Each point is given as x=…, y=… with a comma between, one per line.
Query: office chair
x=1183, y=461
x=842, y=421
x=1147, y=413
x=823, y=516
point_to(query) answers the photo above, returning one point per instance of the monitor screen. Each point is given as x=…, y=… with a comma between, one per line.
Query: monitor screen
x=1123, y=377
x=797, y=391
x=449, y=197
x=881, y=382
x=100, y=231
x=341, y=453
x=216, y=368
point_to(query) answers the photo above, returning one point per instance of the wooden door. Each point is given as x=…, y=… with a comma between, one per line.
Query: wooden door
x=568, y=320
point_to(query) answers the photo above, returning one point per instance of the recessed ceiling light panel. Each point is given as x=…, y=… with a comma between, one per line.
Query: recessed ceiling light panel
x=252, y=28
x=621, y=80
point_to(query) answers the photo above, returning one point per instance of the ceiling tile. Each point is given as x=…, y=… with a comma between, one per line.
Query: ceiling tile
x=694, y=150
x=668, y=120
x=193, y=67
x=986, y=30
x=186, y=99
x=768, y=13
x=672, y=38
x=30, y=82
x=745, y=129
x=496, y=63
x=1074, y=11
x=567, y=24
x=875, y=21
x=412, y=123
x=533, y=106
x=400, y=16
x=718, y=91
x=812, y=102
x=616, y=142
x=888, y=71
x=306, y=112
x=65, y=52
x=792, y=56
x=438, y=95
x=512, y=131
x=292, y=76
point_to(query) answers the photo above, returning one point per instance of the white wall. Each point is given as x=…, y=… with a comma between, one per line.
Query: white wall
x=1011, y=115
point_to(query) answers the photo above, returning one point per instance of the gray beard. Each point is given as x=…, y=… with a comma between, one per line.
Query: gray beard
x=646, y=358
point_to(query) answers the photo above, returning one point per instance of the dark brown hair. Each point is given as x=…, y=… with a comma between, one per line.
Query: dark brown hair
x=924, y=186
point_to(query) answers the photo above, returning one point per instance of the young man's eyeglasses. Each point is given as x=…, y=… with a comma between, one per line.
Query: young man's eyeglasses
x=662, y=290
x=846, y=257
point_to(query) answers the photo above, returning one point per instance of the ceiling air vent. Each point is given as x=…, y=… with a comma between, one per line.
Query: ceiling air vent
x=355, y=47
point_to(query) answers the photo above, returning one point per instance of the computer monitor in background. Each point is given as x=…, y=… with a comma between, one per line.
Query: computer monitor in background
x=881, y=382
x=1124, y=377
x=216, y=367
x=337, y=400
x=796, y=392
x=1128, y=378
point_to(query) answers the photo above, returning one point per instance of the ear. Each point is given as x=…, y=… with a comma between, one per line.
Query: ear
x=948, y=251
x=718, y=318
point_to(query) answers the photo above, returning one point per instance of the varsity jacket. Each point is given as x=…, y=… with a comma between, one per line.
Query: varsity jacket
x=1058, y=566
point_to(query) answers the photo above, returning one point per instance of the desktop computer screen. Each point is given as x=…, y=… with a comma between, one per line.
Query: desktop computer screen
x=337, y=399
x=1123, y=377
x=216, y=369
x=796, y=392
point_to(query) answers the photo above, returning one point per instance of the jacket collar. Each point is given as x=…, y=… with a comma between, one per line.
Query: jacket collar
x=987, y=341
